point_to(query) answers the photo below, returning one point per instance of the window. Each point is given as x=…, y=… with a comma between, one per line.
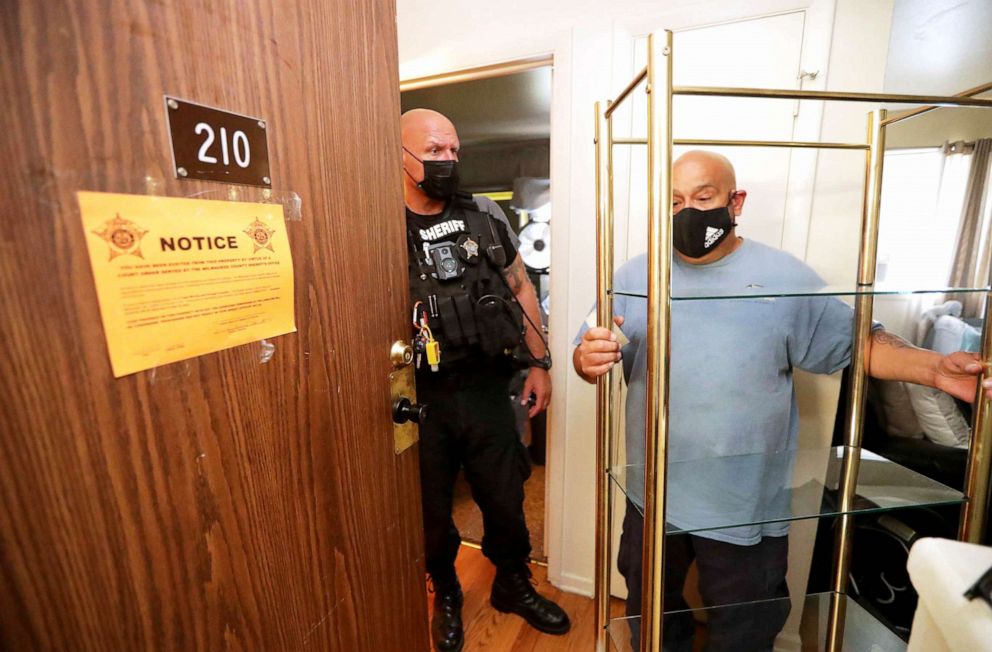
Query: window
x=922, y=198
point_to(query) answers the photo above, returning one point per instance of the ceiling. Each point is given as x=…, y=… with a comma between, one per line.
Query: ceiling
x=511, y=108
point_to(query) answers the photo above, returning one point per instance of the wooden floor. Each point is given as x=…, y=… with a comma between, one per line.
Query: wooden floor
x=490, y=630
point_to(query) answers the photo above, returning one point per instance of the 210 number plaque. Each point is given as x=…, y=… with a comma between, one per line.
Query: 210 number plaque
x=215, y=145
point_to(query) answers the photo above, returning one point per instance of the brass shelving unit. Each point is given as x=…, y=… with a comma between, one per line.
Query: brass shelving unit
x=657, y=80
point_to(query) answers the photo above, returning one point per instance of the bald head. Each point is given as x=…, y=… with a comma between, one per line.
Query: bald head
x=700, y=164
x=419, y=126
x=704, y=180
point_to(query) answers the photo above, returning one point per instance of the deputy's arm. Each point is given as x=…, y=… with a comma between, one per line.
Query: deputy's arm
x=522, y=288
x=892, y=358
x=538, y=380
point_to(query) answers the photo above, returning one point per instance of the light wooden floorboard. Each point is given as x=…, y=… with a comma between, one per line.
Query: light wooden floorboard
x=487, y=630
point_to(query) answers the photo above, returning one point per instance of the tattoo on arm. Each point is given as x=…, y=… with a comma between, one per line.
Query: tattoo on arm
x=515, y=275
x=882, y=336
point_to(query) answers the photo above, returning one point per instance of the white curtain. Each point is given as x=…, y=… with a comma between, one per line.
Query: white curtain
x=972, y=250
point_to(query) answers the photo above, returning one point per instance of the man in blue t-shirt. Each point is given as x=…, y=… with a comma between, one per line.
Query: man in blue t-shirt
x=733, y=417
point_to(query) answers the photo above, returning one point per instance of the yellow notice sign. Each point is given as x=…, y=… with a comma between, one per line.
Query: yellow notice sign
x=178, y=278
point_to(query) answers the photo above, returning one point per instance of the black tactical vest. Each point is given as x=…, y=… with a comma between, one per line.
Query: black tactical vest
x=469, y=306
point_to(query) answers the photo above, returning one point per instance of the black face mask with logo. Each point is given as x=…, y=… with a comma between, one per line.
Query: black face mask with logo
x=696, y=232
x=440, y=178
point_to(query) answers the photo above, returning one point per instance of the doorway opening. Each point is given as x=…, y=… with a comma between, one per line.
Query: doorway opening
x=503, y=117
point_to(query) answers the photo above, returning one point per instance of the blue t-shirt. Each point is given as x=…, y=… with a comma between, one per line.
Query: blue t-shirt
x=733, y=417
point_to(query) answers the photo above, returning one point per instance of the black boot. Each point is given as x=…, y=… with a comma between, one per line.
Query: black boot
x=513, y=593
x=446, y=624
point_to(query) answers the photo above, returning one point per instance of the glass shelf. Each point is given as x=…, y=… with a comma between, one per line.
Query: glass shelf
x=862, y=631
x=754, y=291
x=808, y=487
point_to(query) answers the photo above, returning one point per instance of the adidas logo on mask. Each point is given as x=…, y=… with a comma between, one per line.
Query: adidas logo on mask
x=712, y=235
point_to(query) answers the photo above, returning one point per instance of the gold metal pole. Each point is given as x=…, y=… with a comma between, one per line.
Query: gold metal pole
x=659, y=89
x=979, y=472
x=796, y=144
x=799, y=144
x=609, y=217
x=854, y=410
x=641, y=76
x=977, y=90
x=789, y=94
x=604, y=385
x=977, y=477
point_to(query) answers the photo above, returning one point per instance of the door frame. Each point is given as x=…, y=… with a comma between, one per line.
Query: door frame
x=501, y=69
x=489, y=71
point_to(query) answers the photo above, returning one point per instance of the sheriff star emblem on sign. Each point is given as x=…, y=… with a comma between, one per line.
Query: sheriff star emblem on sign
x=123, y=237
x=471, y=247
x=261, y=235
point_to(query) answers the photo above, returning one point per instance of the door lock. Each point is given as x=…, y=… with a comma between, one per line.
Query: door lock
x=403, y=397
x=404, y=410
x=401, y=354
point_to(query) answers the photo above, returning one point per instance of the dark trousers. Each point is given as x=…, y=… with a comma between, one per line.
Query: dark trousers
x=470, y=424
x=729, y=574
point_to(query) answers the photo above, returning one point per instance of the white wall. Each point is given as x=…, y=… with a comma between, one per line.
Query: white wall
x=857, y=63
x=592, y=45
x=939, y=46
x=446, y=35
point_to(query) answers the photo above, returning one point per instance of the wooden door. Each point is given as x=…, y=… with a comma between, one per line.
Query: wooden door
x=223, y=503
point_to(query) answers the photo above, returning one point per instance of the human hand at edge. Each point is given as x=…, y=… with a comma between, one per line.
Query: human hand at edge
x=538, y=383
x=598, y=351
x=957, y=374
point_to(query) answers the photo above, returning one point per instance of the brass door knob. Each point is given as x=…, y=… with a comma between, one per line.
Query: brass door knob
x=401, y=354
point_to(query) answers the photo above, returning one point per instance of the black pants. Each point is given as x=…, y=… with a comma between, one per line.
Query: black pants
x=729, y=574
x=470, y=424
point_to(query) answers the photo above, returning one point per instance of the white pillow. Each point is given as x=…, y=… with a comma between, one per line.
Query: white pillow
x=939, y=416
x=897, y=409
x=948, y=334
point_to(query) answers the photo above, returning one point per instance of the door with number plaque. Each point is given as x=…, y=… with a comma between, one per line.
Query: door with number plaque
x=249, y=498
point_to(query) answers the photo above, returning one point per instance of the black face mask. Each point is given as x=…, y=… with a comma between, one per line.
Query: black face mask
x=440, y=177
x=696, y=232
